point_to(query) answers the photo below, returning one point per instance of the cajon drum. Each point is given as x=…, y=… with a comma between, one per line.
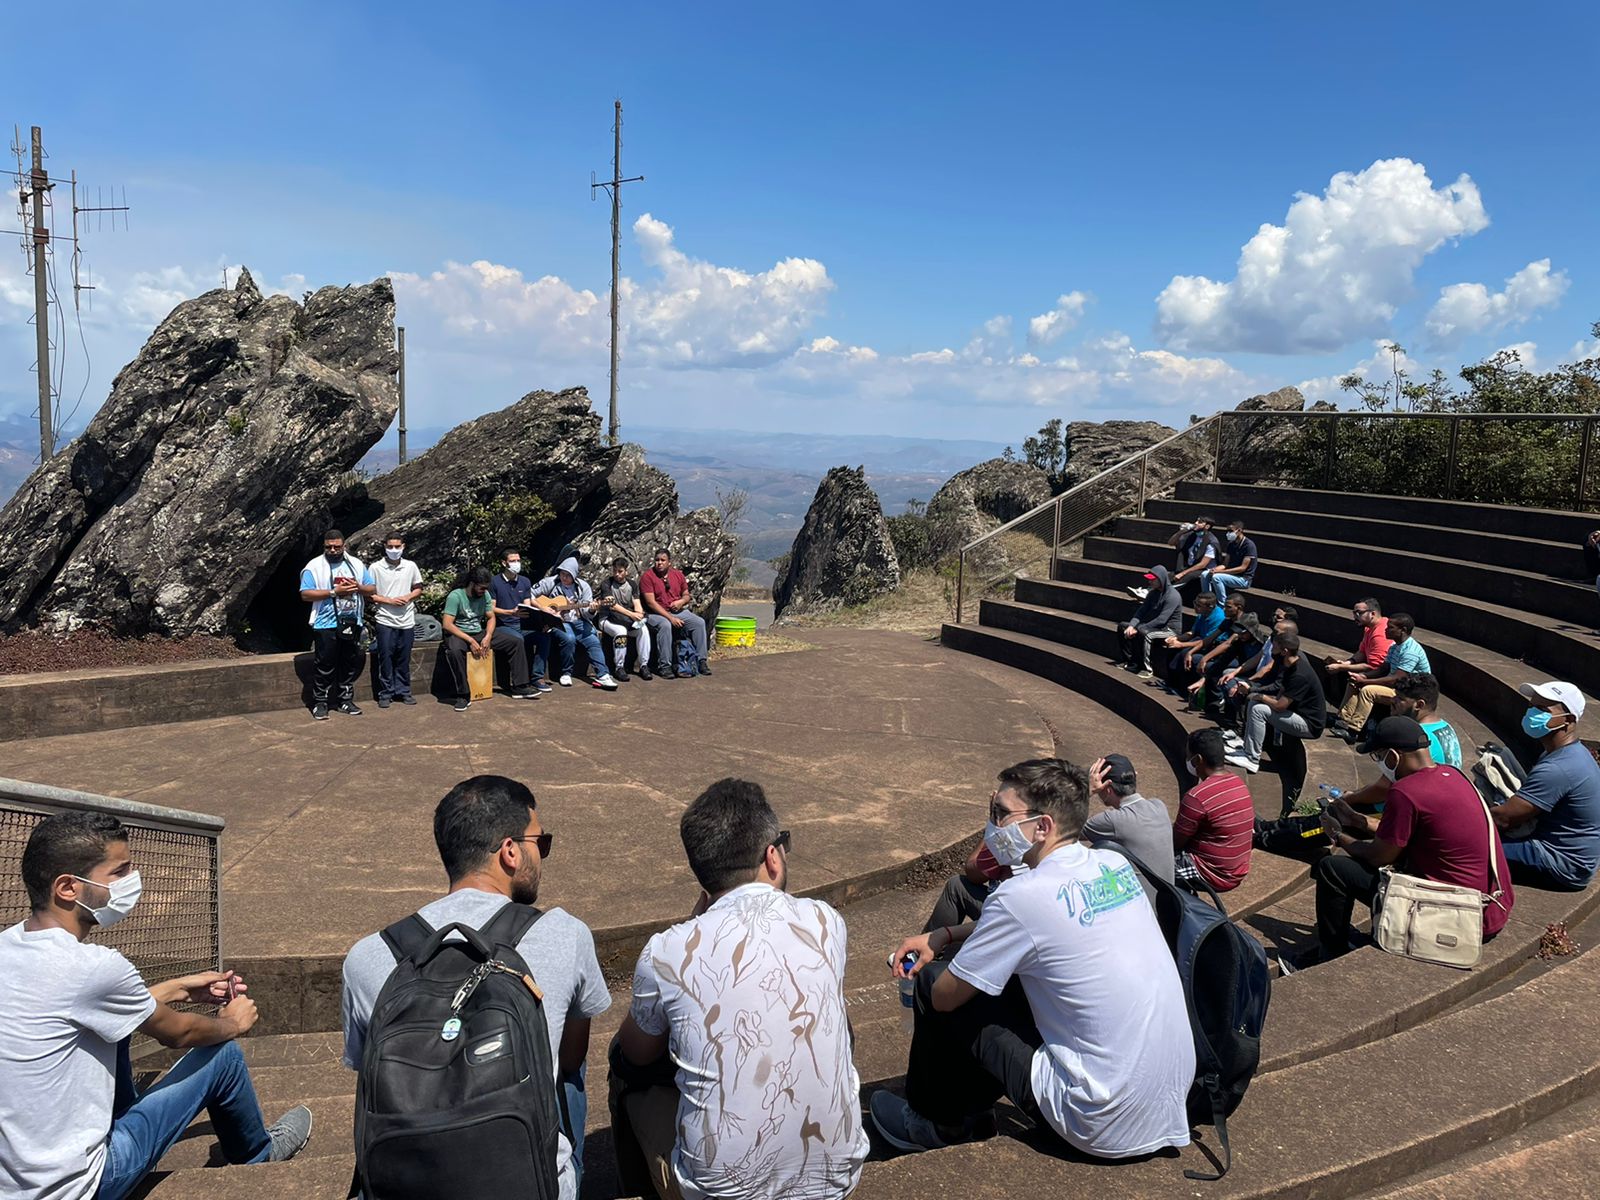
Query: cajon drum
x=480, y=676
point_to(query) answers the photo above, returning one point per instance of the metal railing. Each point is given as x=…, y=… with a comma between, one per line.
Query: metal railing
x=1528, y=459
x=176, y=928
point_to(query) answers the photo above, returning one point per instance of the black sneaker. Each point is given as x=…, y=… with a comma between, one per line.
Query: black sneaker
x=669, y=673
x=543, y=685
x=385, y=702
x=319, y=711
x=408, y=698
x=642, y=673
x=620, y=675
x=525, y=693
x=462, y=703
x=705, y=667
x=349, y=709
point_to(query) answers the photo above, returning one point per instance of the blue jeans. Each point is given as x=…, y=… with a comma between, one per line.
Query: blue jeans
x=213, y=1078
x=567, y=636
x=1218, y=584
x=573, y=1089
x=537, y=644
x=1532, y=863
x=394, y=661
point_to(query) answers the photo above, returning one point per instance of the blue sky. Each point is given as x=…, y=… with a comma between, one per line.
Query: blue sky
x=864, y=218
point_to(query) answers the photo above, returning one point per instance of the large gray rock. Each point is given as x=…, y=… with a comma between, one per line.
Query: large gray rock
x=981, y=499
x=1263, y=448
x=1093, y=446
x=843, y=554
x=220, y=448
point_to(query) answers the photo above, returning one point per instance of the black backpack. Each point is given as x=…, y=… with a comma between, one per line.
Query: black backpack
x=1227, y=988
x=457, y=1091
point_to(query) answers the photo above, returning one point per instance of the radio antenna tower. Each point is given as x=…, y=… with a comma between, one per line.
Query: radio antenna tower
x=613, y=187
x=34, y=206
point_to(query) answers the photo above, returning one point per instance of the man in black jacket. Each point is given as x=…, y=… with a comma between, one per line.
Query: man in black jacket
x=1295, y=707
x=1155, y=620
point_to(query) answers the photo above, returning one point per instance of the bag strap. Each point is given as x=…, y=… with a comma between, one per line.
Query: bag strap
x=407, y=936
x=1494, y=864
x=511, y=924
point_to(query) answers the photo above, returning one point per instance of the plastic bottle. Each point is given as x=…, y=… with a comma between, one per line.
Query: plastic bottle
x=1332, y=793
x=908, y=996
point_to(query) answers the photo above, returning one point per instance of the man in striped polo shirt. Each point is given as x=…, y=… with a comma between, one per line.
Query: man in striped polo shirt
x=1215, y=819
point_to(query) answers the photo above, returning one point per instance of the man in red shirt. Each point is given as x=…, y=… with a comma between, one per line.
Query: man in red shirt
x=1434, y=818
x=1370, y=655
x=1216, y=819
x=666, y=606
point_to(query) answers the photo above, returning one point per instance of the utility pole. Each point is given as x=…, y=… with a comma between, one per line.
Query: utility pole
x=41, y=296
x=614, y=187
x=402, y=332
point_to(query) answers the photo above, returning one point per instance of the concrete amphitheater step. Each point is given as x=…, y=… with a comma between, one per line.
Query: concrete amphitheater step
x=299, y=1179
x=1547, y=524
x=1560, y=560
x=1347, y=1122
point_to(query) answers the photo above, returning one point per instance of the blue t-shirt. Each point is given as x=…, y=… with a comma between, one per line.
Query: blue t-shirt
x=1443, y=744
x=1205, y=626
x=509, y=595
x=1407, y=656
x=325, y=613
x=1564, y=786
x=1236, y=553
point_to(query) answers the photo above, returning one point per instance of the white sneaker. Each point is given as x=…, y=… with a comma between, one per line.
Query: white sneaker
x=565, y=681
x=1239, y=760
x=1139, y=593
x=1230, y=738
x=607, y=682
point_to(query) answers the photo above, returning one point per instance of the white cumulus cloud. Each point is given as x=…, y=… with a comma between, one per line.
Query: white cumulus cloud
x=1336, y=270
x=1048, y=327
x=1467, y=308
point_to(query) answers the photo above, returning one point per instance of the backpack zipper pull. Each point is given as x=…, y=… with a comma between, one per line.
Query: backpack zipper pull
x=527, y=980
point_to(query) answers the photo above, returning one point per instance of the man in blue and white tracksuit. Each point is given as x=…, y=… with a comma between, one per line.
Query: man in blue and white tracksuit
x=335, y=584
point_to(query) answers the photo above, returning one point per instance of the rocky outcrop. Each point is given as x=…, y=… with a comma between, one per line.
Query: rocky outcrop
x=843, y=554
x=981, y=499
x=1258, y=449
x=1092, y=446
x=535, y=475
x=217, y=453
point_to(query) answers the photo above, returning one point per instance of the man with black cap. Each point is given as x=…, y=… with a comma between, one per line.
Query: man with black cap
x=1434, y=819
x=1155, y=620
x=1561, y=795
x=1136, y=823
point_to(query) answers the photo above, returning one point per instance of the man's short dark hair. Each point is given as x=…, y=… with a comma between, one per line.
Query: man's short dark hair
x=1205, y=520
x=1402, y=622
x=660, y=550
x=1207, y=598
x=1421, y=686
x=726, y=832
x=1290, y=613
x=508, y=552
x=1207, y=745
x=618, y=561
x=1053, y=786
x=476, y=817
x=1289, y=643
x=67, y=843
x=481, y=576
x=1236, y=524
x=392, y=536
x=1372, y=603
x=333, y=535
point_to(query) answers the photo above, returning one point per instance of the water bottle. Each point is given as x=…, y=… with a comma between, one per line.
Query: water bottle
x=1332, y=793
x=908, y=997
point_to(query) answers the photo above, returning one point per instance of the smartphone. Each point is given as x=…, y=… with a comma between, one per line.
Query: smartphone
x=233, y=987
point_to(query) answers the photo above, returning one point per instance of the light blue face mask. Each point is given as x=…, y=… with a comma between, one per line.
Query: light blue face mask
x=1536, y=723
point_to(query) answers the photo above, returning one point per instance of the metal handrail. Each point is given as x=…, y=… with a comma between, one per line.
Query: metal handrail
x=1216, y=422
x=44, y=798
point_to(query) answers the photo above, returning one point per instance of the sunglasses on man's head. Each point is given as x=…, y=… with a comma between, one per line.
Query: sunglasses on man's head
x=541, y=842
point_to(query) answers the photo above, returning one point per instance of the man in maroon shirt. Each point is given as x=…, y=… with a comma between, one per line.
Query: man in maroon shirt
x=1434, y=818
x=666, y=607
x=1216, y=819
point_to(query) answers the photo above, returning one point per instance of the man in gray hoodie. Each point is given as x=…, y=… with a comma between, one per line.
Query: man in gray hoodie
x=1155, y=620
x=571, y=599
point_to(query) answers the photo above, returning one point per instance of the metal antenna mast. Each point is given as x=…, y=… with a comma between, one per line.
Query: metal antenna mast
x=614, y=188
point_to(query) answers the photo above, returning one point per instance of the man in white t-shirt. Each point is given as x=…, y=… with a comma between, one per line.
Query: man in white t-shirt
x=747, y=997
x=71, y=1124
x=1063, y=995
x=397, y=583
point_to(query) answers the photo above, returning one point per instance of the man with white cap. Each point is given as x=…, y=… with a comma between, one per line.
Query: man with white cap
x=1561, y=796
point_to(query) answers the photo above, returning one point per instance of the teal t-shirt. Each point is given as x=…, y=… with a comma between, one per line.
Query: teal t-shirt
x=1443, y=744
x=471, y=615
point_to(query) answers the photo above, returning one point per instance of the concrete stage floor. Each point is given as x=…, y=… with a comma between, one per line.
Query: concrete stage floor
x=875, y=748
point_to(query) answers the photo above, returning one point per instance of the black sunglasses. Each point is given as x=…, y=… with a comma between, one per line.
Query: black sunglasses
x=780, y=842
x=541, y=842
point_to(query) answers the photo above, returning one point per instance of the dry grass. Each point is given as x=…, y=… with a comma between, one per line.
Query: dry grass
x=923, y=601
x=767, y=642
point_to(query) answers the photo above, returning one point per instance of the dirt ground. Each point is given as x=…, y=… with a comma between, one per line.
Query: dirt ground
x=33, y=650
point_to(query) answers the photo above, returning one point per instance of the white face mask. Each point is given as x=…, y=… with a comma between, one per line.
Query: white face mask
x=514, y=568
x=124, y=894
x=1385, y=769
x=1232, y=536
x=392, y=554
x=1193, y=770
x=1008, y=843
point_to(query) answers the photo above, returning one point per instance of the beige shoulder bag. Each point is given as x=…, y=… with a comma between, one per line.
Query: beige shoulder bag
x=1431, y=921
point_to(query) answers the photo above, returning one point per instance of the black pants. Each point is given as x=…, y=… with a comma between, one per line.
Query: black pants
x=1135, y=650
x=1341, y=881
x=338, y=665
x=960, y=902
x=963, y=1061
x=503, y=642
x=393, y=653
x=1289, y=752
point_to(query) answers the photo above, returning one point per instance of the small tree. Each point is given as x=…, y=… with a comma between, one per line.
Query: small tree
x=1048, y=451
x=731, y=505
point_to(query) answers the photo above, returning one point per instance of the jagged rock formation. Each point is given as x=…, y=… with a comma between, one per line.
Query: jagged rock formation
x=457, y=501
x=980, y=499
x=1092, y=446
x=219, y=450
x=1255, y=449
x=843, y=554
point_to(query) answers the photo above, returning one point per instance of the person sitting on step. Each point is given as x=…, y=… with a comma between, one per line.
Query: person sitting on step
x=569, y=597
x=1294, y=707
x=1255, y=673
x=1155, y=620
x=1417, y=697
x=1211, y=836
x=1238, y=568
x=746, y=1000
x=72, y=1124
x=1244, y=641
x=622, y=616
x=1198, y=550
x=1186, y=648
x=964, y=894
x=492, y=844
x=1367, y=688
x=1132, y=822
x=512, y=593
x=1560, y=796
x=1370, y=653
x=666, y=600
x=469, y=628
x=1434, y=819
x=1063, y=995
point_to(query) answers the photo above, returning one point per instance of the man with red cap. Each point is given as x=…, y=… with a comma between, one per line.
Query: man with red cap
x=1155, y=620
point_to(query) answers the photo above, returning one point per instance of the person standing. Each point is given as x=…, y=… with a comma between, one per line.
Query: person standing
x=666, y=601
x=622, y=614
x=469, y=628
x=335, y=584
x=396, y=583
x=512, y=593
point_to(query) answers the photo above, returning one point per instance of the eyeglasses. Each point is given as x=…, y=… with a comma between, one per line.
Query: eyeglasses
x=781, y=842
x=541, y=842
x=1360, y=612
x=999, y=816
